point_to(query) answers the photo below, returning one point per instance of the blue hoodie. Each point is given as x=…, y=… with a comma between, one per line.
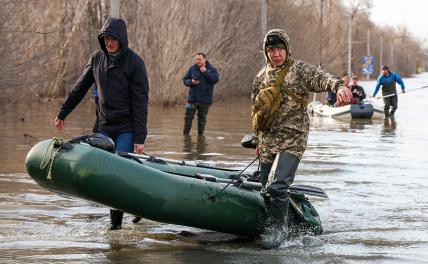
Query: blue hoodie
x=388, y=83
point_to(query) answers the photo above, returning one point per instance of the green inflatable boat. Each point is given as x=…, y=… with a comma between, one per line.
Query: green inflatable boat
x=168, y=191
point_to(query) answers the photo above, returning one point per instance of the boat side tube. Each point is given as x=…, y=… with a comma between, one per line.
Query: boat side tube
x=185, y=168
x=102, y=177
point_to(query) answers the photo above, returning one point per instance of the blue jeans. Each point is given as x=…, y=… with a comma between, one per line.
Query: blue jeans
x=124, y=141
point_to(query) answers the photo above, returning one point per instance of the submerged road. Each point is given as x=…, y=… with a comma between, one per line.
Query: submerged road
x=374, y=172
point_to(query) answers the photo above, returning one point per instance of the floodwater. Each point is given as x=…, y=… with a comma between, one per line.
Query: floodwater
x=373, y=171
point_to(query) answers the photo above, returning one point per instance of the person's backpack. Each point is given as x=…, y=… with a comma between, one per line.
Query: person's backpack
x=267, y=103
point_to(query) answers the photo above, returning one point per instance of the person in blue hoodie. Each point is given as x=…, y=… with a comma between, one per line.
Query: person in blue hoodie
x=387, y=80
x=120, y=76
x=200, y=78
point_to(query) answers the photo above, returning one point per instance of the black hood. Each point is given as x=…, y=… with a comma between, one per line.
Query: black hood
x=116, y=28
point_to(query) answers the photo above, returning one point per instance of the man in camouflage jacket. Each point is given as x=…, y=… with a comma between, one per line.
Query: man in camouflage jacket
x=281, y=145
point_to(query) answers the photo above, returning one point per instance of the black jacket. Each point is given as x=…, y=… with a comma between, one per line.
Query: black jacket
x=123, y=86
x=203, y=91
x=358, y=92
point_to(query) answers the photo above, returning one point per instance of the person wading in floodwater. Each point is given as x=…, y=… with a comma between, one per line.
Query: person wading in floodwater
x=280, y=93
x=389, y=91
x=123, y=88
x=200, y=78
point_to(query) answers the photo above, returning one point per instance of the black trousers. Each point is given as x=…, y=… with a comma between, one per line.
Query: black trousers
x=390, y=102
x=202, y=110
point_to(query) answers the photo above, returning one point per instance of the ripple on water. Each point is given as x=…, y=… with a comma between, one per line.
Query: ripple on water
x=374, y=173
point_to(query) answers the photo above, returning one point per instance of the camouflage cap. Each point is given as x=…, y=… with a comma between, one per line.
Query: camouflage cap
x=274, y=41
x=279, y=46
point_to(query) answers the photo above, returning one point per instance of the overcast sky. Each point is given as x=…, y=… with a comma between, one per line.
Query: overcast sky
x=412, y=13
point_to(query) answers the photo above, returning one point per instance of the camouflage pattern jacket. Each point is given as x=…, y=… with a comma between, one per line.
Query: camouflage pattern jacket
x=290, y=127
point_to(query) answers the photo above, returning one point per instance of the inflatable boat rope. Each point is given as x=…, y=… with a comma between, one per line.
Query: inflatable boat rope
x=50, y=154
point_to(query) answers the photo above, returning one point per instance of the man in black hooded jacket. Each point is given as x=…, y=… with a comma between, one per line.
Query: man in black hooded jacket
x=121, y=79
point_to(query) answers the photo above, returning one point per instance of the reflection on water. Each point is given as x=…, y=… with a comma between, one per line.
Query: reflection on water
x=374, y=172
x=196, y=149
x=389, y=127
x=360, y=123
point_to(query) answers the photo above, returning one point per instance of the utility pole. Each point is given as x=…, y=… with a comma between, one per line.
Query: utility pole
x=350, y=43
x=321, y=46
x=381, y=52
x=263, y=16
x=368, y=47
x=321, y=33
x=114, y=8
x=263, y=21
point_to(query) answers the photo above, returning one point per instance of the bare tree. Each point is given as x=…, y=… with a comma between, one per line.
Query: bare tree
x=47, y=43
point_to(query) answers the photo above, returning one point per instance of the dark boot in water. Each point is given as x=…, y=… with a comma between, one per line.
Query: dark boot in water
x=276, y=230
x=115, y=219
x=136, y=219
x=281, y=176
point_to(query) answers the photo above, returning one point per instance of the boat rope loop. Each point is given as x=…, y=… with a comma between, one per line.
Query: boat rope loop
x=49, y=156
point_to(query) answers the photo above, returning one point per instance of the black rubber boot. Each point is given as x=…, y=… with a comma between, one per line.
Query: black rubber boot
x=275, y=231
x=188, y=118
x=394, y=105
x=280, y=178
x=202, y=118
x=386, y=113
x=115, y=219
x=264, y=174
x=386, y=107
x=136, y=219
